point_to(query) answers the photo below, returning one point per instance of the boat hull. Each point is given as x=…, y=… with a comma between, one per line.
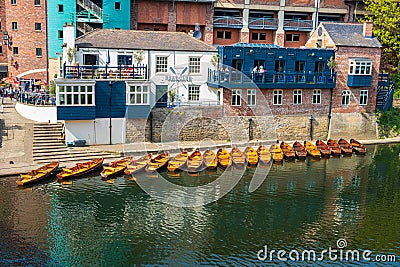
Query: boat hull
x=41, y=174
x=76, y=171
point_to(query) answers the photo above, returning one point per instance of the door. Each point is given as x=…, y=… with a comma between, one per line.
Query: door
x=161, y=95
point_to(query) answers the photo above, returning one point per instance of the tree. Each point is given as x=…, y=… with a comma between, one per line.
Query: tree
x=331, y=64
x=215, y=60
x=385, y=15
x=71, y=52
x=138, y=56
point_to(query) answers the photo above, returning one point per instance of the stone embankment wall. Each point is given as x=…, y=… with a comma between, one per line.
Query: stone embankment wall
x=354, y=125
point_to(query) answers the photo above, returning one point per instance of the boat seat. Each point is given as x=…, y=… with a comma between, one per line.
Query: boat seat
x=66, y=170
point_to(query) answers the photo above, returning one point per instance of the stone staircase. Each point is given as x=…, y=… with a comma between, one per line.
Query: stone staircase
x=47, y=147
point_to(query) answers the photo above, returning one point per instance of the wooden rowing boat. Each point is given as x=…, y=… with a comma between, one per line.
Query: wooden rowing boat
x=251, y=155
x=195, y=161
x=264, y=155
x=276, y=152
x=178, y=162
x=358, y=147
x=335, y=148
x=347, y=149
x=80, y=169
x=138, y=165
x=115, y=167
x=238, y=157
x=224, y=158
x=288, y=151
x=301, y=152
x=157, y=163
x=38, y=174
x=210, y=159
x=312, y=150
x=323, y=148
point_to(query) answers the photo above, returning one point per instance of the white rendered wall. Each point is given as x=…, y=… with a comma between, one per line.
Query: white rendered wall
x=37, y=113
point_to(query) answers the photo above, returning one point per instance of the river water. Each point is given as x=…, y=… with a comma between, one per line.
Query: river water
x=302, y=205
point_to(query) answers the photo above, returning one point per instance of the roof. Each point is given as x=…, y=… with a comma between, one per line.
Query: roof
x=147, y=40
x=252, y=45
x=347, y=34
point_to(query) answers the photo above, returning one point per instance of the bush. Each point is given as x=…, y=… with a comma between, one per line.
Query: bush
x=396, y=78
x=389, y=123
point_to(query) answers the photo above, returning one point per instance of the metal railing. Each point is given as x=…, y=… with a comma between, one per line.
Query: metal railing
x=84, y=27
x=187, y=104
x=263, y=23
x=384, y=79
x=228, y=22
x=37, y=99
x=95, y=72
x=270, y=78
x=297, y=24
x=94, y=9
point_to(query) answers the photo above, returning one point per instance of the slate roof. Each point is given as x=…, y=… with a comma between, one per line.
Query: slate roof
x=346, y=34
x=146, y=40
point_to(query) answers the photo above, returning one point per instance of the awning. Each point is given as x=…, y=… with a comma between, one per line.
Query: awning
x=3, y=68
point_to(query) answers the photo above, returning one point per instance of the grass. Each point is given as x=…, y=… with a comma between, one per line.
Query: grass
x=389, y=123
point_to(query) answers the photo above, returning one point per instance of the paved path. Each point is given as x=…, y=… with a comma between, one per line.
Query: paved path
x=16, y=140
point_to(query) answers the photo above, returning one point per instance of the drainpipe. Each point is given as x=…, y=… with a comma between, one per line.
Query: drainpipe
x=110, y=85
x=330, y=115
x=47, y=41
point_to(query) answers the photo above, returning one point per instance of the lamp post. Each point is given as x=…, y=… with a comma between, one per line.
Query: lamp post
x=311, y=126
x=110, y=84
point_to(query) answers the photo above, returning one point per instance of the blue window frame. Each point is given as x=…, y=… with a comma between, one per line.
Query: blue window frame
x=124, y=60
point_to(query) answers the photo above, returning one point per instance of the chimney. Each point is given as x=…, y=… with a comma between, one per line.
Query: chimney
x=367, y=29
x=68, y=39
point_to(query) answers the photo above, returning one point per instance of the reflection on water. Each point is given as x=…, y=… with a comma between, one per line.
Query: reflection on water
x=301, y=205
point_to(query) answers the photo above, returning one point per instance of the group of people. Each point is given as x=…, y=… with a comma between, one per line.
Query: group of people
x=28, y=95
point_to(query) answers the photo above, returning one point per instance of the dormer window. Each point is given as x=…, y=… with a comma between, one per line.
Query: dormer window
x=360, y=66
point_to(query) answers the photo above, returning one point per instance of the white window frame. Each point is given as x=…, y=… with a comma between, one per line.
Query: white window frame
x=251, y=97
x=236, y=100
x=360, y=67
x=346, y=94
x=194, y=65
x=297, y=97
x=69, y=91
x=363, y=97
x=317, y=96
x=161, y=64
x=136, y=90
x=277, y=98
x=194, y=93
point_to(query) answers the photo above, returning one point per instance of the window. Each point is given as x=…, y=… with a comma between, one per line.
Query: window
x=124, y=60
x=13, y=2
x=279, y=65
x=319, y=66
x=251, y=97
x=15, y=51
x=236, y=97
x=346, y=97
x=39, y=52
x=224, y=35
x=292, y=37
x=261, y=36
x=75, y=95
x=278, y=97
x=360, y=67
x=118, y=5
x=363, y=97
x=316, y=97
x=194, y=65
x=90, y=59
x=138, y=95
x=37, y=2
x=297, y=97
x=38, y=26
x=14, y=25
x=194, y=93
x=1, y=49
x=60, y=34
x=161, y=64
x=299, y=66
x=60, y=8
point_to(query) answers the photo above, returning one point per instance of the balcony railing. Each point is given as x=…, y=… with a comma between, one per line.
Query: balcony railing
x=263, y=23
x=228, y=22
x=384, y=79
x=297, y=25
x=238, y=79
x=96, y=72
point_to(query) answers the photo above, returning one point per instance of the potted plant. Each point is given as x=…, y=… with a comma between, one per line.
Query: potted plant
x=71, y=52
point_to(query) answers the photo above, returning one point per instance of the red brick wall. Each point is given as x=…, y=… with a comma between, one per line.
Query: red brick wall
x=3, y=56
x=237, y=2
x=287, y=107
x=263, y=2
x=301, y=42
x=234, y=38
x=342, y=67
x=332, y=4
x=26, y=14
x=299, y=2
x=269, y=37
x=153, y=12
x=151, y=27
x=191, y=13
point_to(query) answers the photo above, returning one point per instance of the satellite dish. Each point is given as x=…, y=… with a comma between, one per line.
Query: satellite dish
x=197, y=34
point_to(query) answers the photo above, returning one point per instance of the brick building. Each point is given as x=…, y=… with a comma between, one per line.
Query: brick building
x=3, y=46
x=27, y=38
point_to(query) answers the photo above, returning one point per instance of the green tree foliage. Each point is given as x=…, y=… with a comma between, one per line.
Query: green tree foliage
x=385, y=14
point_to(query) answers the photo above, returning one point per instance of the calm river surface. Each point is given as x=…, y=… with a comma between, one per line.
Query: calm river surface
x=300, y=206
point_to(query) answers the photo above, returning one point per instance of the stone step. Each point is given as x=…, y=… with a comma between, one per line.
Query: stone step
x=69, y=153
x=50, y=130
x=82, y=159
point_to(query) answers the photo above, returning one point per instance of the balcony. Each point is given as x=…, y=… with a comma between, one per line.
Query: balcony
x=228, y=22
x=237, y=79
x=95, y=72
x=297, y=25
x=384, y=79
x=359, y=80
x=263, y=23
